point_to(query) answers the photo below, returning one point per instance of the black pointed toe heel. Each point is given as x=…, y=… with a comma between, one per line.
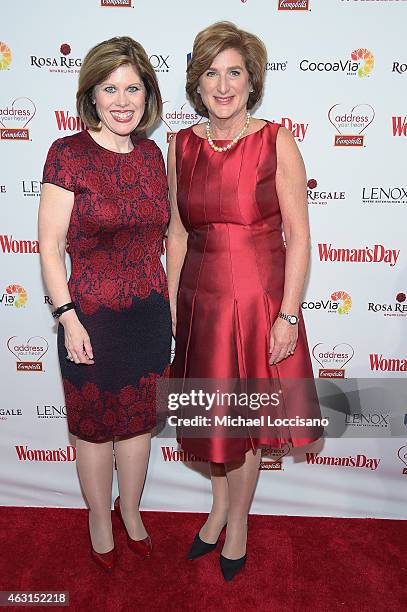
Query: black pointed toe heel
x=231, y=567
x=200, y=548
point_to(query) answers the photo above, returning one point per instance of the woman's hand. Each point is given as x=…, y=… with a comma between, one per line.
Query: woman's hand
x=77, y=341
x=283, y=340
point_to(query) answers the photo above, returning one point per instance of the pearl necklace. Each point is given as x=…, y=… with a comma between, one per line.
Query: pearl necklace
x=232, y=143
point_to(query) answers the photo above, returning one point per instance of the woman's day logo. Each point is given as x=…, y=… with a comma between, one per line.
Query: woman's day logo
x=5, y=56
x=350, y=124
x=15, y=118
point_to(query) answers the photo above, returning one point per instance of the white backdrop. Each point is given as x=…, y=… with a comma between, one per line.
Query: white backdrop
x=355, y=309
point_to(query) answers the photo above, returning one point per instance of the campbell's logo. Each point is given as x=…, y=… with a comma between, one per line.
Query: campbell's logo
x=358, y=461
x=45, y=454
x=384, y=195
x=8, y=244
x=15, y=118
x=350, y=125
x=169, y=453
x=68, y=122
x=332, y=359
x=398, y=308
x=5, y=56
x=399, y=125
x=322, y=197
x=340, y=303
x=14, y=295
x=116, y=3
x=360, y=62
x=375, y=254
x=28, y=352
x=293, y=5
x=272, y=458
x=387, y=364
x=62, y=63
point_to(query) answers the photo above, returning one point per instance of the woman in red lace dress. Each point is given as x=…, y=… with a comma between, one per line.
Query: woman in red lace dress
x=105, y=193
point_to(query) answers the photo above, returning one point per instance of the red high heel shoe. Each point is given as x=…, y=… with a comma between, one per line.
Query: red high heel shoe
x=104, y=560
x=143, y=548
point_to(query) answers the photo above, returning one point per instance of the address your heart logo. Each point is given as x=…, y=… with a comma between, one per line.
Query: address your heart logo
x=15, y=117
x=28, y=352
x=332, y=360
x=350, y=124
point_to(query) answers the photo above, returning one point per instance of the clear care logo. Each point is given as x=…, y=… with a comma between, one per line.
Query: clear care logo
x=15, y=117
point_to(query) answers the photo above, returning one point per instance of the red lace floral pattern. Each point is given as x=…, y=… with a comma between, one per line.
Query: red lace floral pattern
x=118, y=220
x=92, y=412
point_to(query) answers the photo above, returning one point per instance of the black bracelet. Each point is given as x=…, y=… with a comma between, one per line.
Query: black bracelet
x=59, y=311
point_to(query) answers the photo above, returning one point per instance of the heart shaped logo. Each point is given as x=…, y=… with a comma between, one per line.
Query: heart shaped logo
x=274, y=455
x=19, y=114
x=354, y=121
x=34, y=348
x=336, y=357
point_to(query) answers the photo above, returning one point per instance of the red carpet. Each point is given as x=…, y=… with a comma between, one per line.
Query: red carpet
x=294, y=564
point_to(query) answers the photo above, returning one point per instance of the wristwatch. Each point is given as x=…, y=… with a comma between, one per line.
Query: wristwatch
x=292, y=319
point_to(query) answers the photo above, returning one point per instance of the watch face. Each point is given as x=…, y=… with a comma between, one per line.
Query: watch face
x=293, y=319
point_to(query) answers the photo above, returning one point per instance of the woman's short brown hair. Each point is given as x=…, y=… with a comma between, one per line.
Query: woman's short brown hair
x=215, y=39
x=100, y=62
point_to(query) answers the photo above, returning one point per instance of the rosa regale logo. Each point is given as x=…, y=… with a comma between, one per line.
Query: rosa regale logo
x=58, y=64
x=5, y=56
x=344, y=300
x=15, y=118
x=365, y=59
x=350, y=125
x=116, y=3
x=321, y=196
x=14, y=295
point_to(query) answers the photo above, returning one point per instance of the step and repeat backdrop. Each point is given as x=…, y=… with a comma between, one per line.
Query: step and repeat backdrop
x=337, y=79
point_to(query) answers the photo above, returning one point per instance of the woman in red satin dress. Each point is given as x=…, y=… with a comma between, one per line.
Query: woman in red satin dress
x=235, y=288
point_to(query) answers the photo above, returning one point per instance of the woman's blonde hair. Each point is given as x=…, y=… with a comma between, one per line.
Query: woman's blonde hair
x=212, y=41
x=100, y=62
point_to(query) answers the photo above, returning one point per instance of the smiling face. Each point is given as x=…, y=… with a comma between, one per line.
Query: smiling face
x=225, y=86
x=120, y=100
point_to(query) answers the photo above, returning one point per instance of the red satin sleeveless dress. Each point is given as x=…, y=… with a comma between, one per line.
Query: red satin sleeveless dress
x=231, y=284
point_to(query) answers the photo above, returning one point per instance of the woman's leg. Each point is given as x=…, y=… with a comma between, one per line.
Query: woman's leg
x=242, y=479
x=94, y=462
x=220, y=502
x=131, y=460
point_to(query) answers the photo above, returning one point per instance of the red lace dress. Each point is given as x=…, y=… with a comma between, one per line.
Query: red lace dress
x=117, y=281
